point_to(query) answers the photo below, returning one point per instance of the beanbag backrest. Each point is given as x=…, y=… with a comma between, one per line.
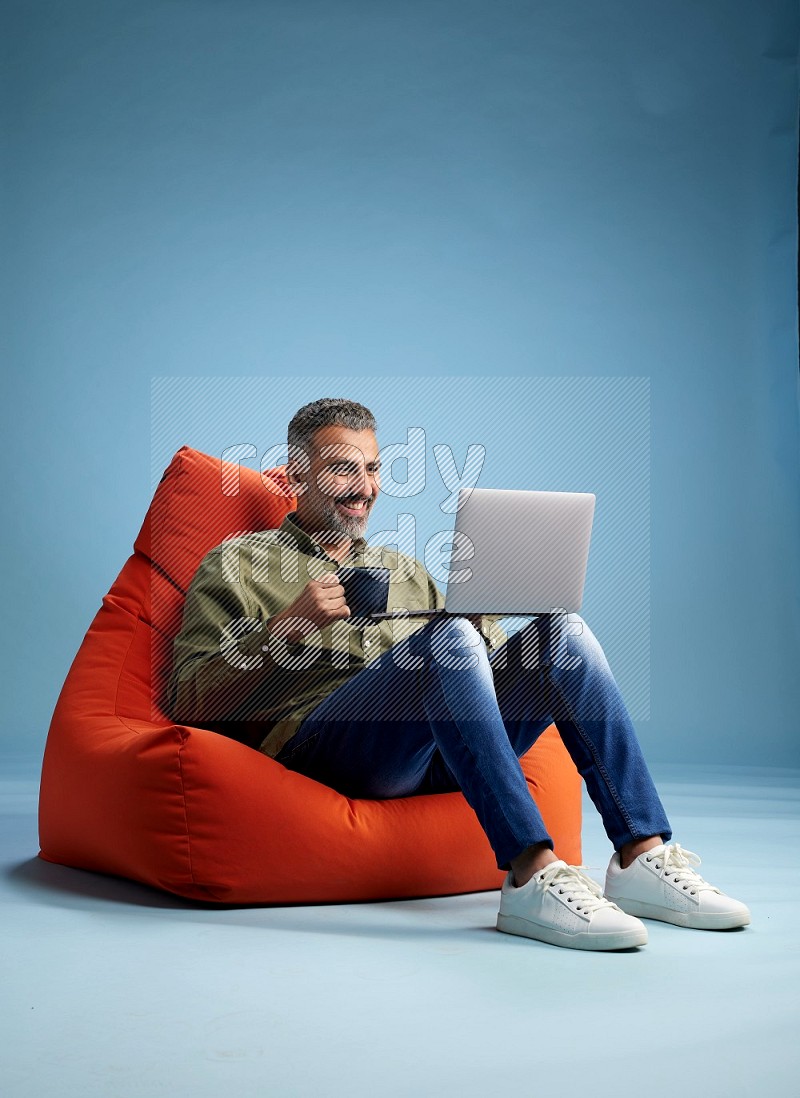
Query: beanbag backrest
x=200, y=502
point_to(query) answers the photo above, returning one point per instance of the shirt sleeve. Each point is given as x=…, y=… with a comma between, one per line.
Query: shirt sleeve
x=217, y=656
x=435, y=596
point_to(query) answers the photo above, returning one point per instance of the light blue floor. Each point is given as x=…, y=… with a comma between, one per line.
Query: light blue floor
x=112, y=990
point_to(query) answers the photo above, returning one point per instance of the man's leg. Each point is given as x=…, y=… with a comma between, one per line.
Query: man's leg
x=550, y=672
x=375, y=735
x=441, y=681
x=561, y=669
x=558, y=670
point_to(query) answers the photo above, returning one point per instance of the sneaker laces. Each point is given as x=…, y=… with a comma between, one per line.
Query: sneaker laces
x=568, y=881
x=676, y=863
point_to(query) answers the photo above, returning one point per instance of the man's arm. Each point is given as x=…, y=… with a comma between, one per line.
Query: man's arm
x=218, y=658
x=221, y=660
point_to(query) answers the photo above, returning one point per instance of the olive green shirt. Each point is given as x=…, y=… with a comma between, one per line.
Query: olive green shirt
x=230, y=676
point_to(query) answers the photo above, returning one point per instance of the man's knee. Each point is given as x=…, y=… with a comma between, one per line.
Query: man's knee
x=457, y=645
x=547, y=641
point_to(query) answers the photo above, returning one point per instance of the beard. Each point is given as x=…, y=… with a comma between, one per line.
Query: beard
x=351, y=526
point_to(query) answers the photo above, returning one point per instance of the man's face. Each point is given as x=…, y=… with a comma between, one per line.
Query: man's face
x=342, y=481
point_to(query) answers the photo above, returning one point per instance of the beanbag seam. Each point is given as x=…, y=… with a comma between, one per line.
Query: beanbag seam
x=180, y=462
x=184, y=736
x=134, y=631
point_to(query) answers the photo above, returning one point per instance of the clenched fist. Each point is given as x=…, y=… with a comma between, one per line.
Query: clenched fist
x=320, y=602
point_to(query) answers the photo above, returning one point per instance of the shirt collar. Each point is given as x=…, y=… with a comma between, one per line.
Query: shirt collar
x=307, y=544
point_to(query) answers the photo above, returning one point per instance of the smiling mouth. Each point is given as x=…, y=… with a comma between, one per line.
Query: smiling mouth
x=353, y=507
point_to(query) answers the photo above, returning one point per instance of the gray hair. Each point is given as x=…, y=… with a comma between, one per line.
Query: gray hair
x=327, y=412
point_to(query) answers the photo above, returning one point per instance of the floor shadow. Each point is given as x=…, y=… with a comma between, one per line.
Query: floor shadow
x=62, y=883
x=64, y=886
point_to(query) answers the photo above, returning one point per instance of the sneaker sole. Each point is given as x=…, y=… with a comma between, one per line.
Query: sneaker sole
x=621, y=939
x=694, y=920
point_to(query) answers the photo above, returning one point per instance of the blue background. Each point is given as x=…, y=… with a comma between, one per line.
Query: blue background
x=439, y=189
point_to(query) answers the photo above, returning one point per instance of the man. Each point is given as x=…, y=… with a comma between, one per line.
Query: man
x=418, y=705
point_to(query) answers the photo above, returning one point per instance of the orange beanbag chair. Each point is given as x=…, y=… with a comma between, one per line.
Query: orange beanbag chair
x=127, y=791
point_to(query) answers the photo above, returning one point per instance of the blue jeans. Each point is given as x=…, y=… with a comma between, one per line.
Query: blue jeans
x=437, y=713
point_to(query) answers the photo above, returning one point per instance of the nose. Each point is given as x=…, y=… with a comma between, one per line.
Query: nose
x=360, y=484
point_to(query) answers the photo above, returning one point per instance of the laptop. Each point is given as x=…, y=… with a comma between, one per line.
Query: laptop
x=516, y=552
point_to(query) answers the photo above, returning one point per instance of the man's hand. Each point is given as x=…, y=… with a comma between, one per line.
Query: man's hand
x=320, y=602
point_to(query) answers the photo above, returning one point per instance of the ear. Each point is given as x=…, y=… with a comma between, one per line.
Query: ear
x=297, y=466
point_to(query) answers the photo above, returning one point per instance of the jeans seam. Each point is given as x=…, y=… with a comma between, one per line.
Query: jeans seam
x=597, y=761
x=300, y=746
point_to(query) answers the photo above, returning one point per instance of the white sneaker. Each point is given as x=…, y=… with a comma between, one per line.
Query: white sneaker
x=663, y=884
x=564, y=907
